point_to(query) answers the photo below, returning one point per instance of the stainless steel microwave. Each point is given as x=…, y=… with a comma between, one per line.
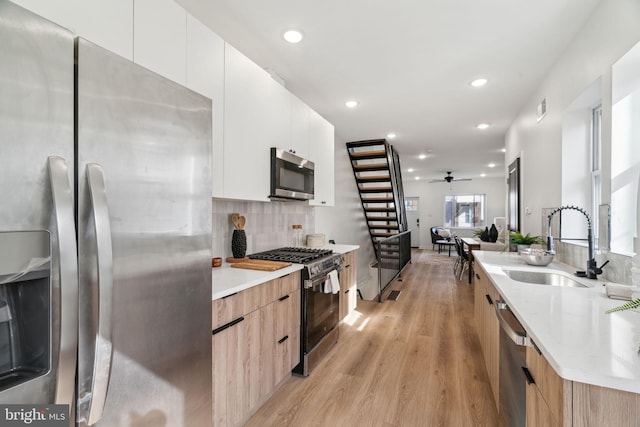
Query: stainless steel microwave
x=291, y=176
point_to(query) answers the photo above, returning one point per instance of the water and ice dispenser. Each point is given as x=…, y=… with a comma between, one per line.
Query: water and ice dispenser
x=25, y=306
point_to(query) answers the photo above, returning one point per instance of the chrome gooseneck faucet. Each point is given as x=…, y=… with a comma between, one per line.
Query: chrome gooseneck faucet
x=592, y=268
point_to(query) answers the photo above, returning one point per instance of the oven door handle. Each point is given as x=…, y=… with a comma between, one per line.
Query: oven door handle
x=308, y=284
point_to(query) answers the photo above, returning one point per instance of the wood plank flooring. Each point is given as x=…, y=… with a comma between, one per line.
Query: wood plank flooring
x=411, y=362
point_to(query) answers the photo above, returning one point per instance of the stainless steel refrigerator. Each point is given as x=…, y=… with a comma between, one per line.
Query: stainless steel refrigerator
x=105, y=233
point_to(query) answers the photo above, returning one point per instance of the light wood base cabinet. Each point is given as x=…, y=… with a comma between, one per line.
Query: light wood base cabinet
x=255, y=345
x=553, y=401
x=550, y=400
x=487, y=326
x=548, y=394
x=348, y=285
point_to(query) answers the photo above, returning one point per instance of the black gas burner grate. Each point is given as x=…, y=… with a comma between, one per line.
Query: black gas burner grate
x=295, y=255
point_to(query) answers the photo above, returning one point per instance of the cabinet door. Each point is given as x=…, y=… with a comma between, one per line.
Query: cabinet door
x=348, y=285
x=492, y=339
x=205, y=75
x=321, y=152
x=160, y=38
x=299, y=128
x=107, y=24
x=247, y=141
x=548, y=384
x=538, y=412
x=236, y=360
x=487, y=326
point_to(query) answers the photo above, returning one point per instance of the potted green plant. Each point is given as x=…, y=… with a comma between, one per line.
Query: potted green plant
x=523, y=241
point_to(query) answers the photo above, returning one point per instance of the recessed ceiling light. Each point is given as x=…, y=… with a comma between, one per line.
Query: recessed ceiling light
x=292, y=36
x=351, y=104
x=479, y=82
x=483, y=126
x=391, y=135
x=417, y=178
x=482, y=175
x=492, y=165
x=422, y=156
x=504, y=150
x=410, y=170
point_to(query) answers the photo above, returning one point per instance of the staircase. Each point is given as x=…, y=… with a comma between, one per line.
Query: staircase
x=376, y=168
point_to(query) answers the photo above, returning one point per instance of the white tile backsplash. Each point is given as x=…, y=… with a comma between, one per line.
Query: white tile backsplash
x=268, y=224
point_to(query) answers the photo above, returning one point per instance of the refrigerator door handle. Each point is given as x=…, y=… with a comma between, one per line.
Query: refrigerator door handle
x=67, y=292
x=93, y=403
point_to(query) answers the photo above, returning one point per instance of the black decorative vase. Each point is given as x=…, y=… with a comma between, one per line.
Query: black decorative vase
x=493, y=233
x=239, y=244
x=485, y=235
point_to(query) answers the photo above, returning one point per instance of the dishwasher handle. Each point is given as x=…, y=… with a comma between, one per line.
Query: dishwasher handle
x=519, y=338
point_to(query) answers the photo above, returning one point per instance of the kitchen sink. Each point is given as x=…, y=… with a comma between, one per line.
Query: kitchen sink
x=543, y=278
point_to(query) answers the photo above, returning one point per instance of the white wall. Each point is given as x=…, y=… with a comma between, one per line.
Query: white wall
x=610, y=32
x=432, y=201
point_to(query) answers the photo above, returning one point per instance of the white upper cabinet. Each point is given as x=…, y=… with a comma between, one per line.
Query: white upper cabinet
x=205, y=75
x=108, y=24
x=252, y=112
x=259, y=114
x=160, y=38
x=321, y=152
x=299, y=128
x=249, y=131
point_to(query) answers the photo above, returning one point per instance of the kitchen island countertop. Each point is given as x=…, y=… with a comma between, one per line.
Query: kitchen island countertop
x=569, y=325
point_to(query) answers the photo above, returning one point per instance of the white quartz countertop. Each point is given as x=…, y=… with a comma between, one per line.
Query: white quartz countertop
x=227, y=280
x=569, y=325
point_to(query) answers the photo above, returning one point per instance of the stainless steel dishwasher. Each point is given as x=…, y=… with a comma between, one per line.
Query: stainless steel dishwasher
x=512, y=382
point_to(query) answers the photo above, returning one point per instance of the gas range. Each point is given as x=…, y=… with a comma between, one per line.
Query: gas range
x=295, y=255
x=316, y=261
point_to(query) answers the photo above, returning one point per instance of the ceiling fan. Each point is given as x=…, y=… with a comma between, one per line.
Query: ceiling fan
x=449, y=178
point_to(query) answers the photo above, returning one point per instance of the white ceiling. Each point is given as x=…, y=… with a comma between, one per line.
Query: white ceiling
x=408, y=63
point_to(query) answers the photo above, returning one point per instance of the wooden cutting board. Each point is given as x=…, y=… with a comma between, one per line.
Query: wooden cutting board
x=256, y=264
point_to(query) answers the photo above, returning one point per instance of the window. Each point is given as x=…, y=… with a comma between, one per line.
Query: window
x=464, y=211
x=596, y=183
x=411, y=205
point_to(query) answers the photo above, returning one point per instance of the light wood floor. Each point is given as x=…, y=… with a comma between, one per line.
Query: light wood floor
x=411, y=362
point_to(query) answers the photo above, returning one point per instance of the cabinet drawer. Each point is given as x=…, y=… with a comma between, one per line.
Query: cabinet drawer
x=277, y=288
x=226, y=309
x=550, y=385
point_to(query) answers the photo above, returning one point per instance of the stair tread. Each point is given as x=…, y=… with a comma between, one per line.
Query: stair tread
x=374, y=178
x=374, y=153
x=371, y=167
x=373, y=209
x=366, y=143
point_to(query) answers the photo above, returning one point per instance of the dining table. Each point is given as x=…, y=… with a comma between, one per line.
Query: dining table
x=473, y=243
